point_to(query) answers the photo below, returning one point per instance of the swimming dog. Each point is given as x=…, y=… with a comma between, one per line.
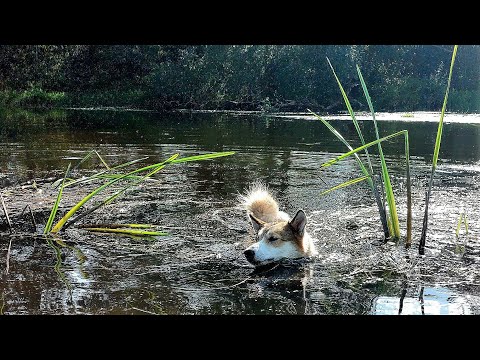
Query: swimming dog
x=277, y=236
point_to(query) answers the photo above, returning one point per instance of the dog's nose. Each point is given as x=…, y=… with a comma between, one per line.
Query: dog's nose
x=249, y=254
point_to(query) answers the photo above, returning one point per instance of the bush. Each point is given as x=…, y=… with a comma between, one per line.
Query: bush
x=33, y=97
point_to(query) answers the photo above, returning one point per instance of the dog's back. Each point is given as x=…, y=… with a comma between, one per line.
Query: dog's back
x=259, y=202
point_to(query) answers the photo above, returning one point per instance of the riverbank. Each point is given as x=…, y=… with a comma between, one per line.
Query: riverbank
x=140, y=100
x=36, y=98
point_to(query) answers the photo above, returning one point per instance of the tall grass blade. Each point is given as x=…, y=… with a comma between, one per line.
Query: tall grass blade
x=103, y=173
x=117, y=194
x=154, y=171
x=408, y=241
x=360, y=148
x=7, y=261
x=88, y=156
x=349, y=106
x=172, y=160
x=385, y=176
x=114, y=176
x=459, y=225
x=345, y=184
x=116, y=226
x=53, y=213
x=407, y=159
x=85, y=158
x=436, y=151
x=134, y=232
x=73, y=210
x=381, y=208
x=57, y=182
x=462, y=219
x=203, y=157
x=101, y=159
x=374, y=186
x=354, y=119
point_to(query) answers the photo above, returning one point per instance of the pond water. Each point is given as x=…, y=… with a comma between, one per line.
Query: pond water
x=199, y=268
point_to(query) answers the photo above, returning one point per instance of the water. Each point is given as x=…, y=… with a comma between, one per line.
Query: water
x=199, y=268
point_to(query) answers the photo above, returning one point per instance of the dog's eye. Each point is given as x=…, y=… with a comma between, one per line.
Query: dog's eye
x=272, y=239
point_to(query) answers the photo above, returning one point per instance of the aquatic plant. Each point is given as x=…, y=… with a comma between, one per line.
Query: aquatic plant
x=462, y=219
x=113, y=179
x=53, y=213
x=391, y=224
x=436, y=150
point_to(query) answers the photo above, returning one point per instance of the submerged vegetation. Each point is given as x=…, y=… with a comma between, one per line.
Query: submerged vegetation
x=391, y=223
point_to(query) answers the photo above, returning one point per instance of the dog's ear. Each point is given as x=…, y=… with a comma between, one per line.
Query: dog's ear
x=298, y=222
x=257, y=223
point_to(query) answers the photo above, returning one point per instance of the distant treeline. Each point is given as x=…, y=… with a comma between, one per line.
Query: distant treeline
x=243, y=77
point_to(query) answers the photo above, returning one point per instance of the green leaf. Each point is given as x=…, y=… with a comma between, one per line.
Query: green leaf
x=347, y=103
x=438, y=139
x=380, y=205
x=360, y=148
x=103, y=173
x=128, y=231
x=466, y=223
x=459, y=225
x=203, y=157
x=436, y=150
x=345, y=184
x=53, y=213
x=385, y=176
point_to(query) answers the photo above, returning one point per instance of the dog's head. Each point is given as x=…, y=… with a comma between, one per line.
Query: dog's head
x=276, y=241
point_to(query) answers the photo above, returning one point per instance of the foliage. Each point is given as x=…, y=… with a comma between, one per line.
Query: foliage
x=250, y=77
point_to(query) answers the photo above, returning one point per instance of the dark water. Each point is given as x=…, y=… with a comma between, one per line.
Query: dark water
x=199, y=268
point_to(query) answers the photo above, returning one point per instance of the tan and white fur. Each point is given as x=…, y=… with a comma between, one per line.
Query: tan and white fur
x=278, y=236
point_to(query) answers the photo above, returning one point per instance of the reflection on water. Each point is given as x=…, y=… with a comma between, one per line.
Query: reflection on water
x=430, y=301
x=199, y=268
x=31, y=142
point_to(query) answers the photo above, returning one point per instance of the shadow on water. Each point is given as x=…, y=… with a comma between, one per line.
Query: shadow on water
x=199, y=268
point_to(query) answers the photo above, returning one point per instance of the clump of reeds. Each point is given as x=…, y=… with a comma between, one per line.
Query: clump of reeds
x=388, y=219
x=390, y=223
x=111, y=176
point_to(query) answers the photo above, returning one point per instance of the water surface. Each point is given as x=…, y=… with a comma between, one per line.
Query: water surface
x=199, y=268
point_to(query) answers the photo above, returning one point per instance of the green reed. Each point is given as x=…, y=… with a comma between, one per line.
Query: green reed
x=391, y=225
x=436, y=151
x=113, y=179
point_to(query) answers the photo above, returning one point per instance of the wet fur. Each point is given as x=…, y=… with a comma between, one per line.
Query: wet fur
x=278, y=236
